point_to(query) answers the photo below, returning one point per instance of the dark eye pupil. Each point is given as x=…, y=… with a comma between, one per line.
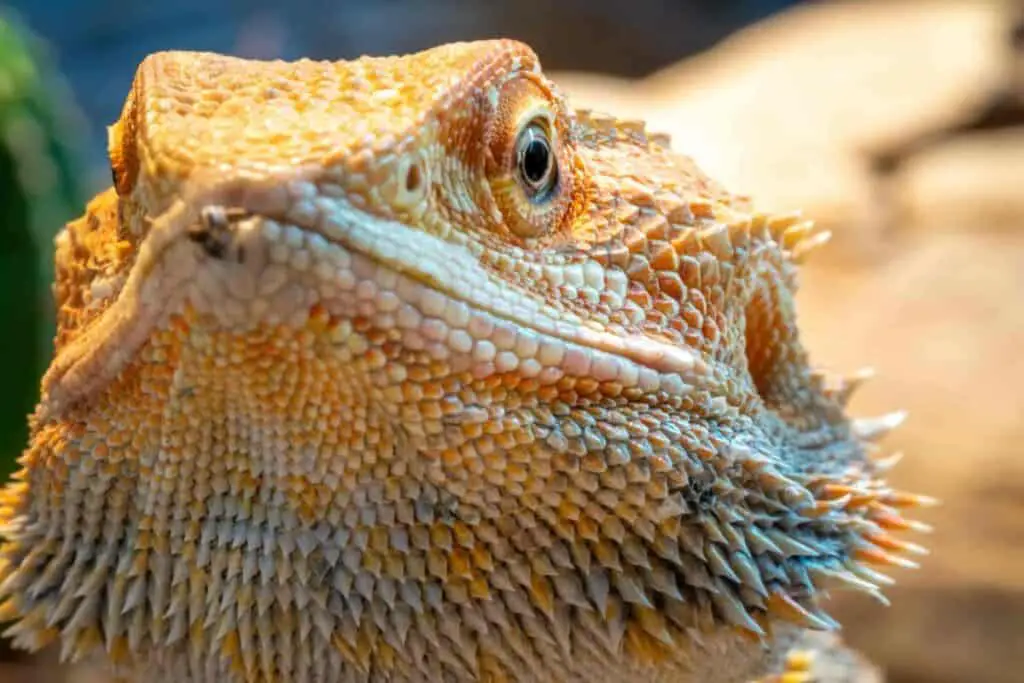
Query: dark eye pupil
x=538, y=169
x=536, y=161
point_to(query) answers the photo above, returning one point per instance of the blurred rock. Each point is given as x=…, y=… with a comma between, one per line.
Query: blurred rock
x=41, y=669
x=971, y=183
x=962, y=634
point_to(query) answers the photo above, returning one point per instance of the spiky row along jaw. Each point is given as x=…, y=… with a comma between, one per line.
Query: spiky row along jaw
x=314, y=427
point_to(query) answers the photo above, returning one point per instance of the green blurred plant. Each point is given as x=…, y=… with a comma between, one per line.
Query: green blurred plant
x=40, y=190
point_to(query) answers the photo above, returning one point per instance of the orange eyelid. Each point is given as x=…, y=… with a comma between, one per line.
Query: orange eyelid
x=537, y=81
x=521, y=99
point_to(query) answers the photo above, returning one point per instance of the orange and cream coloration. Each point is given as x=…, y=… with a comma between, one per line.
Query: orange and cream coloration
x=400, y=369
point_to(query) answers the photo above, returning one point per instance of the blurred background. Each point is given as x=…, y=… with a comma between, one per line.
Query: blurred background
x=897, y=124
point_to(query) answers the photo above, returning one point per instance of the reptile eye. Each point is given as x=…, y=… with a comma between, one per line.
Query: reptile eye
x=535, y=162
x=529, y=157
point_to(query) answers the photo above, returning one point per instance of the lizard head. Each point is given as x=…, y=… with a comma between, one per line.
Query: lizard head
x=422, y=298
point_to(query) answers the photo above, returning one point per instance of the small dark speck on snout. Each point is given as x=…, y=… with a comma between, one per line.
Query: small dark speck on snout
x=215, y=232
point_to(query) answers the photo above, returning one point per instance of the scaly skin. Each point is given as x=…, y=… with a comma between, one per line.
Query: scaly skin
x=348, y=387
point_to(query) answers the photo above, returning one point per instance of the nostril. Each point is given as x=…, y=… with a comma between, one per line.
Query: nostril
x=409, y=184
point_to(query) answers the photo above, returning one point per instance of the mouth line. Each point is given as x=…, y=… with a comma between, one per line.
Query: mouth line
x=444, y=270
x=448, y=268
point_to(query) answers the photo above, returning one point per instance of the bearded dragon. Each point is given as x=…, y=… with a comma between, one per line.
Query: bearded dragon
x=400, y=369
